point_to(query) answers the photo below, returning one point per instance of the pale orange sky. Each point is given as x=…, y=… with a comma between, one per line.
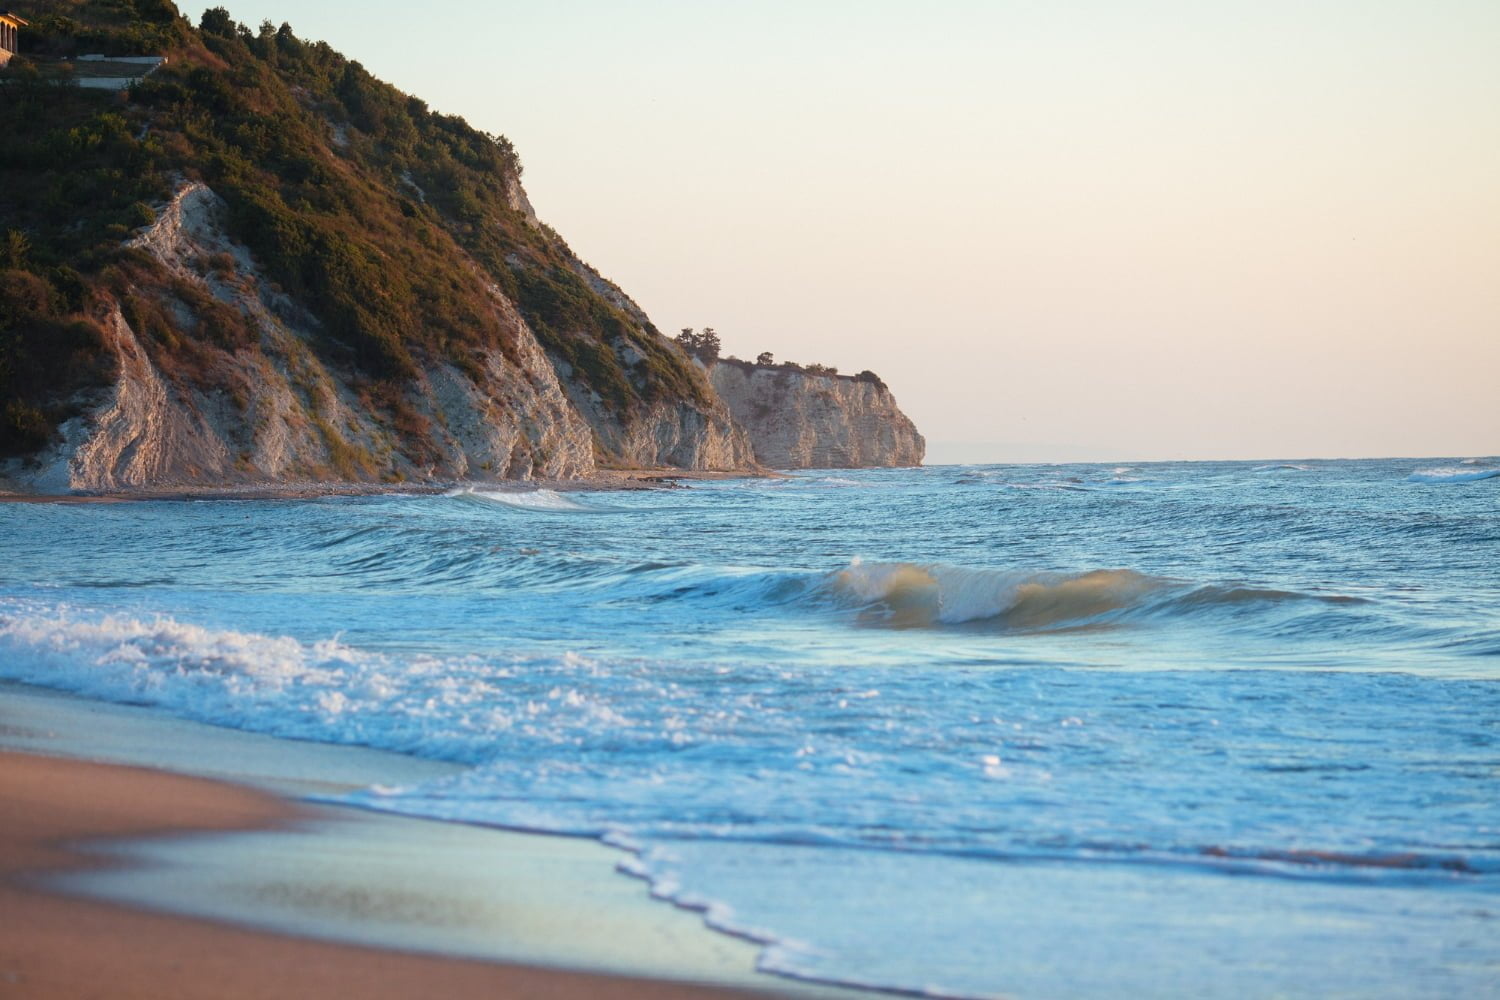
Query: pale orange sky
x=1109, y=230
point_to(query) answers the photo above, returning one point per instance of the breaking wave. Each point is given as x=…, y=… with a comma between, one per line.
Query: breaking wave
x=907, y=595
x=547, y=501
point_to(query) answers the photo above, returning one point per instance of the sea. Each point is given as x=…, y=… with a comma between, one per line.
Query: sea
x=1207, y=729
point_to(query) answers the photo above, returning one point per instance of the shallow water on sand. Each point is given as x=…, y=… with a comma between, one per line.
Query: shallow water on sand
x=1210, y=729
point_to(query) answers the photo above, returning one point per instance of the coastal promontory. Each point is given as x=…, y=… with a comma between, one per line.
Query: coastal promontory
x=800, y=419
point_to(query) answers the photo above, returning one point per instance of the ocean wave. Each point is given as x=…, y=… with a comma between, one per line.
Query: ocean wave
x=1451, y=476
x=829, y=482
x=1325, y=860
x=1013, y=479
x=909, y=595
x=1069, y=485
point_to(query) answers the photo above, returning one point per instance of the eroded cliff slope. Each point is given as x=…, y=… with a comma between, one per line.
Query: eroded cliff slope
x=266, y=408
x=799, y=420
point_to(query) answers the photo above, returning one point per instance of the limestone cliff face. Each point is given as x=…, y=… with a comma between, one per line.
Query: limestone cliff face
x=801, y=421
x=274, y=412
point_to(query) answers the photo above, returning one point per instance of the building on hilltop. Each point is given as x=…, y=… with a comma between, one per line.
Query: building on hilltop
x=96, y=72
x=10, y=35
x=93, y=72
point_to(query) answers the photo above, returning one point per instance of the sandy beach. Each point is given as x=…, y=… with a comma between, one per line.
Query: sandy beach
x=59, y=946
x=124, y=880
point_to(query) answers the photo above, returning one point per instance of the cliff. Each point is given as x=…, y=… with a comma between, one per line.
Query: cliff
x=272, y=410
x=267, y=266
x=800, y=420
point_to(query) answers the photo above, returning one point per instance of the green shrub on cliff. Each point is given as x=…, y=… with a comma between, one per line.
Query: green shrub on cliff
x=46, y=355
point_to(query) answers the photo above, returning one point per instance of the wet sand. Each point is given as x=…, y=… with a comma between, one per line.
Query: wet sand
x=60, y=946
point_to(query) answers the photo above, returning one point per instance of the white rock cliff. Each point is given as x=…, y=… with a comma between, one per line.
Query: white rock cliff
x=799, y=420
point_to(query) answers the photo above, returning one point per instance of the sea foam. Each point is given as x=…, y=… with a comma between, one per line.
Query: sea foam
x=322, y=690
x=549, y=501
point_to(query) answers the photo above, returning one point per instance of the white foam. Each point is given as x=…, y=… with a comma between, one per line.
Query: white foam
x=535, y=500
x=323, y=690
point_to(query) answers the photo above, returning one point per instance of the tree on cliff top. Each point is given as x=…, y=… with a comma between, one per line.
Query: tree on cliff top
x=703, y=346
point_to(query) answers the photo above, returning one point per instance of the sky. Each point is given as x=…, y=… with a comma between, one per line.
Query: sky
x=1060, y=231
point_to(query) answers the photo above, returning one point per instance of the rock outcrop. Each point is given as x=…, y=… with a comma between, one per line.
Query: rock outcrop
x=274, y=412
x=799, y=420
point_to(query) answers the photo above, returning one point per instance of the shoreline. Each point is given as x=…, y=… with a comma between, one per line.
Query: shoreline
x=601, y=481
x=229, y=838
x=64, y=945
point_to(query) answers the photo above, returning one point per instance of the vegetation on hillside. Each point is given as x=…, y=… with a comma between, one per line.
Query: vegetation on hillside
x=388, y=222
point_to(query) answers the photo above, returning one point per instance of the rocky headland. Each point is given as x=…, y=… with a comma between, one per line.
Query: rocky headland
x=266, y=267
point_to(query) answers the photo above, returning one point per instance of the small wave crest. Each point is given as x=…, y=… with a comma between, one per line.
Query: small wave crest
x=1452, y=476
x=1408, y=861
x=546, y=501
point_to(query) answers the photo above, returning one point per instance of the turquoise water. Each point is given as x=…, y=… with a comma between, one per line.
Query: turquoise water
x=1207, y=729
